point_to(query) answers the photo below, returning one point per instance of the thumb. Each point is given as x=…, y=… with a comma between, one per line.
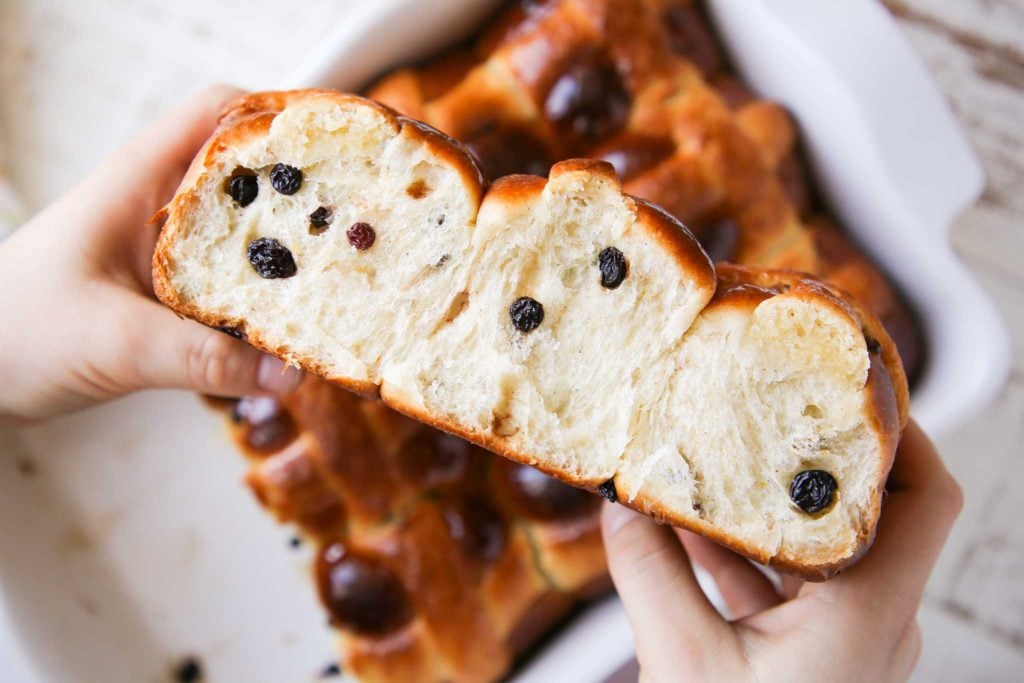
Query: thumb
x=676, y=627
x=183, y=354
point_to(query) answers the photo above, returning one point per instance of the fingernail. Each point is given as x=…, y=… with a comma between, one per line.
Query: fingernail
x=277, y=377
x=617, y=516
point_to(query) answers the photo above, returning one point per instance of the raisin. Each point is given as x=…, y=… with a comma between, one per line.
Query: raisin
x=874, y=346
x=630, y=154
x=526, y=313
x=812, y=490
x=690, y=36
x=477, y=527
x=189, y=670
x=244, y=188
x=589, y=100
x=361, y=236
x=504, y=149
x=607, y=490
x=320, y=219
x=271, y=259
x=431, y=458
x=361, y=594
x=331, y=670
x=294, y=542
x=268, y=426
x=721, y=240
x=542, y=497
x=286, y=179
x=235, y=332
x=613, y=267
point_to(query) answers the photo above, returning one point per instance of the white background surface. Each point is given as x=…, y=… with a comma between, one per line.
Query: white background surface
x=76, y=78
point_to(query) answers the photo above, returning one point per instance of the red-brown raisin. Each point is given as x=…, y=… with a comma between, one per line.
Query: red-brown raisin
x=361, y=236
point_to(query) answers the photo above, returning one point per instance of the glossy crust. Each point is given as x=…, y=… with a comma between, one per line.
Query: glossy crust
x=690, y=137
x=354, y=476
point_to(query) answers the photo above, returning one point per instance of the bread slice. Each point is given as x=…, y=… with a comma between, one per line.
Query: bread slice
x=557, y=322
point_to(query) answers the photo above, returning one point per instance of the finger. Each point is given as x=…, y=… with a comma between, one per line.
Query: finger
x=140, y=178
x=661, y=595
x=791, y=586
x=745, y=590
x=917, y=516
x=166, y=351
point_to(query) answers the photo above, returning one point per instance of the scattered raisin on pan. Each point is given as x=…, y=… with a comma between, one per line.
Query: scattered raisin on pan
x=812, y=490
x=271, y=259
x=330, y=670
x=286, y=179
x=361, y=236
x=607, y=490
x=243, y=189
x=321, y=218
x=526, y=313
x=613, y=267
x=188, y=670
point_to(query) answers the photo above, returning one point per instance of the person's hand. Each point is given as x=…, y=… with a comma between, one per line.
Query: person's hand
x=860, y=626
x=78, y=320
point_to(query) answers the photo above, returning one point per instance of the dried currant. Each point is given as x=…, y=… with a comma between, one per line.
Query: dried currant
x=244, y=188
x=271, y=259
x=613, y=267
x=361, y=594
x=286, y=179
x=607, y=490
x=812, y=490
x=320, y=219
x=526, y=313
x=589, y=99
x=361, y=236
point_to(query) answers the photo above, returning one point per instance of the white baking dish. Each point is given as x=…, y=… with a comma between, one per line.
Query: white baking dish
x=113, y=576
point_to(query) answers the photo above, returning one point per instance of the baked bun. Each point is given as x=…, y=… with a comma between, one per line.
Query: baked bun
x=417, y=537
x=557, y=322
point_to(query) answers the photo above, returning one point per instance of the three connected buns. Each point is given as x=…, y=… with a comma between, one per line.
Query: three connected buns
x=558, y=322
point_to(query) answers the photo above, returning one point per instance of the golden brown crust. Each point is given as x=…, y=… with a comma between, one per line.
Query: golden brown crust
x=351, y=473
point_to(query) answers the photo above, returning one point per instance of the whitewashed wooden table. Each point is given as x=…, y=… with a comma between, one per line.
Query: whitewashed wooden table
x=77, y=78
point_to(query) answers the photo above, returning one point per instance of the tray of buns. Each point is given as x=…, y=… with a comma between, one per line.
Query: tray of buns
x=763, y=125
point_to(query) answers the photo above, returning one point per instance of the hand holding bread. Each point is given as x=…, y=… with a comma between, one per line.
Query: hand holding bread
x=560, y=323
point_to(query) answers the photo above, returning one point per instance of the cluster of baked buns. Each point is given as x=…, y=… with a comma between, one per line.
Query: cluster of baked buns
x=435, y=559
x=645, y=85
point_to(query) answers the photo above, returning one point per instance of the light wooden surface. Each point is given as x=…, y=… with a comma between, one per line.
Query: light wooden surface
x=76, y=78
